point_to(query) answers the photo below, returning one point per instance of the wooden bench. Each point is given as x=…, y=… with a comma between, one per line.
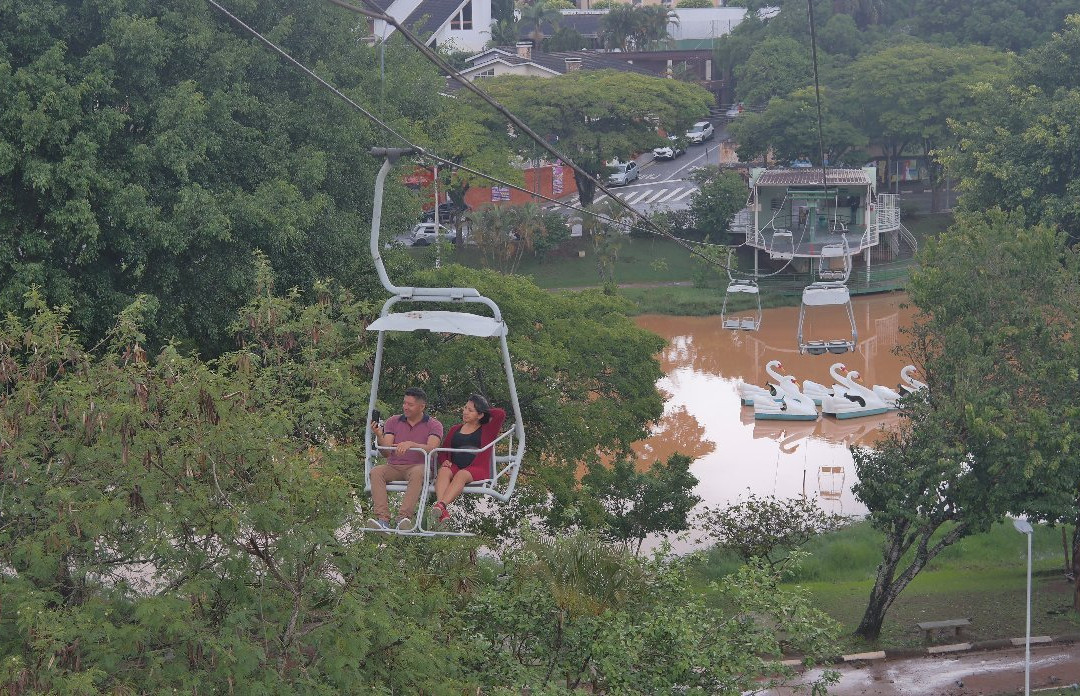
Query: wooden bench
x=958, y=626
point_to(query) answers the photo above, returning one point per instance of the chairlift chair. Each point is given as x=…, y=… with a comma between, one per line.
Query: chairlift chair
x=829, y=254
x=782, y=245
x=737, y=286
x=824, y=294
x=508, y=449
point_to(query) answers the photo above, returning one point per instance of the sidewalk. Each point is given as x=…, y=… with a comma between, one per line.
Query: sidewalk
x=981, y=669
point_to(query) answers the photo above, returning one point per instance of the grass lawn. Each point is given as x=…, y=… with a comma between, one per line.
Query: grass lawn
x=982, y=577
x=641, y=260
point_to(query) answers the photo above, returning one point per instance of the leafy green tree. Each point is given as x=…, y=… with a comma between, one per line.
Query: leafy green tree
x=1013, y=25
x=788, y=129
x=535, y=15
x=765, y=527
x=720, y=195
x=504, y=32
x=505, y=234
x=148, y=148
x=587, y=116
x=1020, y=149
x=994, y=336
x=632, y=504
x=775, y=68
x=693, y=3
x=585, y=616
x=565, y=39
x=171, y=524
x=905, y=95
x=630, y=27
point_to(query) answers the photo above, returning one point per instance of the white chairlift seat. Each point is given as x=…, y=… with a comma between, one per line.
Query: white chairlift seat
x=826, y=294
x=750, y=322
x=436, y=321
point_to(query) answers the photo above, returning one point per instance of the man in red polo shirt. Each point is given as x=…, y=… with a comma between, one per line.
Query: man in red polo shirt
x=411, y=434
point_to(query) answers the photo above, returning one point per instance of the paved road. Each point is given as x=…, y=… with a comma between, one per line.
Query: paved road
x=663, y=185
x=967, y=674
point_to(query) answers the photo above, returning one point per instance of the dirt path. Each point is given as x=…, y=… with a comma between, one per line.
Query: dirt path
x=969, y=674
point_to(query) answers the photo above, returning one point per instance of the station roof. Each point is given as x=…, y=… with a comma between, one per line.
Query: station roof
x=812, y=177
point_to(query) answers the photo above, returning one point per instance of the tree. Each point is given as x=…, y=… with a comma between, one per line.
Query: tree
x=504, y=32
x=581, y=615
x=997, y=307
x=720, y=195
x=693, y=3
x=775, y=68
x=629, y=27
x=788, y=129
x=767, y=528
x=1022, y=152
x=535, y=15
x=630, y=504
x=132, y=163
x=505, y=234
x=906, y=94
x=171, y=524
x=587, y=116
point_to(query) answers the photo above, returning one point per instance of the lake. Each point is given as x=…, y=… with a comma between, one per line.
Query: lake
x=733, y=453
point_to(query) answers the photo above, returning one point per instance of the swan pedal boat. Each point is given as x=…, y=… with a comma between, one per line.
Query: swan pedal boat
x=853, y=400
x=793, y=405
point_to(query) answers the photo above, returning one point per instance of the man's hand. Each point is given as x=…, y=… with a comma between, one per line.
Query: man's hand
x=403, y=447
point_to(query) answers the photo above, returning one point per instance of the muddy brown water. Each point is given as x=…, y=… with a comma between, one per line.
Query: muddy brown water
x=733, y=453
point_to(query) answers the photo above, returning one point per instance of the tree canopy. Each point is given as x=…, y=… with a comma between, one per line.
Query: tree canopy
x=587, y=114
x=148, y=148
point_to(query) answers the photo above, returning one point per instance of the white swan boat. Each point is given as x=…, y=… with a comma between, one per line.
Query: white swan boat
x=908, y=384
x=793, y=405
x=853, y=400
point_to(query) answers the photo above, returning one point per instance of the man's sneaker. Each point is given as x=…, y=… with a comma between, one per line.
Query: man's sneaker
x=404, y=524
x=377, y=524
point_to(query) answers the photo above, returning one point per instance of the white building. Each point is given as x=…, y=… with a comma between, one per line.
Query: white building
x=465, y=24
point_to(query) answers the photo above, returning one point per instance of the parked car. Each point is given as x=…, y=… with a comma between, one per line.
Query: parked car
x=735, y=110
x=423, y=234
x=671, y=151
x=700, y=132
x=447, y=211
x=624, y=173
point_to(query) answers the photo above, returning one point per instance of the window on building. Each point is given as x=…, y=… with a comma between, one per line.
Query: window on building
x=490, y=72
x=463, y=19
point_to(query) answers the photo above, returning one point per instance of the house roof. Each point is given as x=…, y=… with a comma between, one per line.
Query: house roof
x=429, y=15
x=555, y=62
x=812, y=177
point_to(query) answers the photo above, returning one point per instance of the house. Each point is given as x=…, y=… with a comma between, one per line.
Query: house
x=523, y=60
x=463, y=25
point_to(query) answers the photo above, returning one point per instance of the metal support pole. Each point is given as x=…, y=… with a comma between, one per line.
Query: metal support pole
x=1027, y=641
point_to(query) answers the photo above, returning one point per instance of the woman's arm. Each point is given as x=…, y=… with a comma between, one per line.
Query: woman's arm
x=493, y=427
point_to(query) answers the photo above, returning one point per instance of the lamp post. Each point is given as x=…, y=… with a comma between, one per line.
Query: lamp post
x=1024, y=527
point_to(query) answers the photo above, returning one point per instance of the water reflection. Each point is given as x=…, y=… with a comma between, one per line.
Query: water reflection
x=734, y=453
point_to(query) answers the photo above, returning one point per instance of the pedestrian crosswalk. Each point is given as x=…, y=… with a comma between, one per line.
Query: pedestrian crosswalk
x=642, y=196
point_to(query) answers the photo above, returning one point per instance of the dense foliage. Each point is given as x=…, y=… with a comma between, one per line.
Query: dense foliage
x=173, y=524
x=148, y=148
x=994, y=432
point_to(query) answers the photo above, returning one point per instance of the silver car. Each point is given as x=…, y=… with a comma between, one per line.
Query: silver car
x=624, y=173
x=700, y=132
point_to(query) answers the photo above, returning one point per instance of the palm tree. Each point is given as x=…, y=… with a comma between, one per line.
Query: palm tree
x=505, y=32
x=653, y=21
x=618, y=26
x=535, y=15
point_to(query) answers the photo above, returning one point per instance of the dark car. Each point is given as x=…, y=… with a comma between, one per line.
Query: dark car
x=447, y=211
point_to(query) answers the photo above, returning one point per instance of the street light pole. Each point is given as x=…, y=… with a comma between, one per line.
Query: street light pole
x=1024, y=527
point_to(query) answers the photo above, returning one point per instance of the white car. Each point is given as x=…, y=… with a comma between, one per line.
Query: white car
x=669, y=151
x=624, y=173
x=700, y=132
x=423, y=234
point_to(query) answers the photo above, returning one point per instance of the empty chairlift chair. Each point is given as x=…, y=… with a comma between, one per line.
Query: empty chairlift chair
x=509, y=447
x=736, y=287
x=834, y=264
x=819, y=295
